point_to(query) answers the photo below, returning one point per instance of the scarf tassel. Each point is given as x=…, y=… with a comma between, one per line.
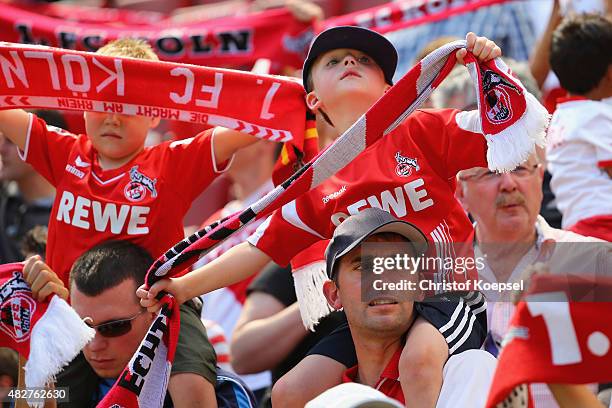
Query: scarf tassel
x=513, y=145
x=47, y=358
x=309, y=282
x=510, y=146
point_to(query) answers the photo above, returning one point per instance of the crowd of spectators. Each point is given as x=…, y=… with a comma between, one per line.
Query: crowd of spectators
x=553, y=209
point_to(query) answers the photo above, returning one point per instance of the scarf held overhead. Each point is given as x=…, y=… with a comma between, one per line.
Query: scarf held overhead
x=48, y=334
x=52, y=78
x=512, y=121
x=556, y=336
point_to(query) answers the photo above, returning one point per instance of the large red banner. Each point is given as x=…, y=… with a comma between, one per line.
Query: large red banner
x=227, y=42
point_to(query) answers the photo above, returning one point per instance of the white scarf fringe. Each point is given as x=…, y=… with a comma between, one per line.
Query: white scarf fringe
x=56, y=339
x=512, y=146
x=309, y=282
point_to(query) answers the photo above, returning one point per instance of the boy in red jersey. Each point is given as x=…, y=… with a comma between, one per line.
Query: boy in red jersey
x=109, y=186
x=409, y=173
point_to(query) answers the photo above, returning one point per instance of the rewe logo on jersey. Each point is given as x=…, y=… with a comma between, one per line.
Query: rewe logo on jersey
x=405, y=165
x=92, y=215
x=138, y=185
x=412, y=196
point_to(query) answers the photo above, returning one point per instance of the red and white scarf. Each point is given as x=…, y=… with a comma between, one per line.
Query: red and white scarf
x=511, y=119
x=560, y=333
x=48, y=334
x=51, y=78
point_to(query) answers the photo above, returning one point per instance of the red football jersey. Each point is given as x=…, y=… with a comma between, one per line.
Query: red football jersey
x=143, y=201
x=410, y=173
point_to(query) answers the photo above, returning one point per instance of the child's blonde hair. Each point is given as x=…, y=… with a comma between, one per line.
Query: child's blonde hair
x=129, y=47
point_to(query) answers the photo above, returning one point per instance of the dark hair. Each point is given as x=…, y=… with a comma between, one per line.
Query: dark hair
x=35, y=241
x=109, y=264
x=580, y=52
x=9, y=364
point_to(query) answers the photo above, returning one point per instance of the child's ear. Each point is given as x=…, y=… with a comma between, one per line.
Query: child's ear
x=330, y=290
x=154, y=123
x=313, y=102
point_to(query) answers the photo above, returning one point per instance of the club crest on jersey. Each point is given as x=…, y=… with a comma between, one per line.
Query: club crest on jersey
x=497, y=97
x=139, y=184
x=405, y=165
x=16, y=308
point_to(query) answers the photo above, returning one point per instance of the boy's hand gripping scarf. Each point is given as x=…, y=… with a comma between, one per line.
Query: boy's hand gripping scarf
x=48, y=334
x=512, y=121
x=559, y=334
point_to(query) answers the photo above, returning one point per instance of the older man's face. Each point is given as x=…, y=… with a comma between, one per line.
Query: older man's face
x=108, y=356
x=504, y=203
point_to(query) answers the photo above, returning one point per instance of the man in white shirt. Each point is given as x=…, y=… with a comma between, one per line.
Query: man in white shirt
x=510, y=235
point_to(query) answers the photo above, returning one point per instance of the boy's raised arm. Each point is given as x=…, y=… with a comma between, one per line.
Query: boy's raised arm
x=14, y=125
x=227, y=141
x=235, y=265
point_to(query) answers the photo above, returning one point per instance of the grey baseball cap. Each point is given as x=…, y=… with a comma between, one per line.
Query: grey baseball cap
x=357, y=228
x=356, y=38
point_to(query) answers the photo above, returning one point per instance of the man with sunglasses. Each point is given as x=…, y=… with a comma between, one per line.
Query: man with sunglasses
x=103, y=283
x=510, y=235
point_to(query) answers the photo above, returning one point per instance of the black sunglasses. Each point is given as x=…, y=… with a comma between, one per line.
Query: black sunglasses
x=113, y=328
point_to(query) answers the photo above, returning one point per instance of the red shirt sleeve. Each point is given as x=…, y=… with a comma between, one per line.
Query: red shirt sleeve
x=453, y=137
x=47, y=149
x=282, y=236
x=190, y=164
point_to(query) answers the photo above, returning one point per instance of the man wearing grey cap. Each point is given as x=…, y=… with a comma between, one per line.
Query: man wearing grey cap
x=381, y=318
